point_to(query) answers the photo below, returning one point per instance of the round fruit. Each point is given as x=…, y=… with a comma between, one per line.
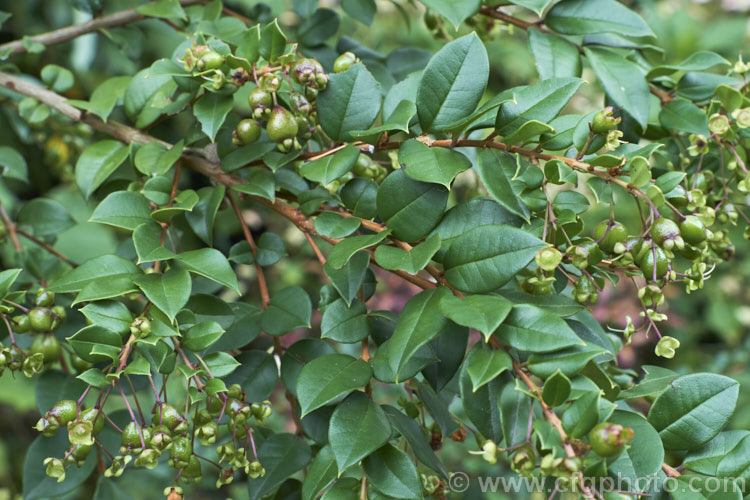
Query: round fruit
x=56, y=151
x=666, y=234
x=21, y=323
x=281, y=125
x=299, y=104
x=49, y=346
x=677, y=197
x=131, y=438
x=209, y=60
x=79, y=364
x=653, y=259
x=95, y=416
x=168, y=415
x=64, y=411
x=260, y=102
x=616, y=234
x=693, y=230
x=607, y=439
x=344, y=62
x=248, y=131
x=269, y=82
x=41, y=319
x=179, y=455
x=44, y=298
x=59, y=312
x=604, y=121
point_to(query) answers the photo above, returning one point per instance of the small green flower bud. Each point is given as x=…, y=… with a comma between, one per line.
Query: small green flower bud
x=666, y=347
x=604, y=121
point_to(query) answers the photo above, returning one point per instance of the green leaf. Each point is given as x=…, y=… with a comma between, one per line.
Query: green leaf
x=351, y=101
x=697, y=61
x=290, y=308
x=163, y=8
x=644, y=454
x=398, y=120
x=582, y=415
x=528, y=131
x=481, y=312
x=57, y=78
x=202, y=335
x=531, y=329
x=317, y=29
x=112, y=315
x=419, y=322
x=452, y=83
x=154, y=159
x=494, y=169
x=97, y=162
x=569, y=361
x=693, y=409
x=515, y=407
x=272, y=42
x=183, y=202
x=410, y=261
x=321, y=473
x=456, y=11
x=201, y=217
x=358, y=427
x=542, y=102
x=706, y=460
x=106, y=267
x=684, y=116
x=537, y=6
x=328, y=377
x=331, y=167
x=484, y=365
x=346, y=248
x=554, y=56
x=87, y=339
x=487, y=257
x=345, y=323
x=333, y=225
x=623, y=81
x=426, y=164
x=222, y=364
x=349, y=278
x=260, y=182
x=656, y=380
x=392, y=473
x=361, y=10
x=14, y=165
x=124, y=209
x=7, y=277
x=94, y=377
x=104, y=97
x=556, y=389
x=282, y=455
x=211, y=110
x=583, y=17
x=169, y=291
x=148, y=247
x=44, y=217
x=210, y=263
x=411, y=209
x=412, y=432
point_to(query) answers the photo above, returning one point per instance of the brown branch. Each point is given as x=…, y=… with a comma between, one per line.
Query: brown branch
x=44, y=245
x=265, y=297
x=496, y=14
x=11, y=227
x=70, y=32
x=670, y=471
x=664, y=97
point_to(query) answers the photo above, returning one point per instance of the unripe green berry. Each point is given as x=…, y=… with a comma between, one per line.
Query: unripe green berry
x=48, y=346
x=281, y=125
x=44, y=298
x=608, y=439
x=41, y=319
x=604, y=121
x=548, y=258
x=344, y=62
x=666, y=234
x=248, y=131
x=609, y=234
x=269, y=82
x=692, y=230
x=209, y=60
x=260, y=102
x=20, y=323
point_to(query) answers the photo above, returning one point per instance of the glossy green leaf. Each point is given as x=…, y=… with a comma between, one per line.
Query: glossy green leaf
x=331, y=167
x=556, y=389
x=693, y=409
x=582, y=17
x=581, y=415
x=531, y=329
x=328, y=377
x=358, y=427
x=333, y=225
x=410, y=209
x=542, y=101
x=169, y=291
x=211, y=110
x=481, y=312
x=272, y=42
x=97, y=162
x=290, y=308
x=346, y=248
x=112, y=315
x=496, y=169
x=321, y=473
x=104, y=97
x=452, y=83
x=412, y=432
x=515, y=407
x=282, y=455
x=623, y=81
x=684, y=116
x=85, y=340
x=486, y=257
x=410, y=261
x=351, y=101
x=345, y=323
x=13, y=164
x=201, y=217
x=392, y=472
x=484, y=365
x=210, y=263
x=455, y=11
x=123, y=209
x=260, y=182
x=426, y=164
x=698, y=61
x=202, y=335
x=106, y=267
x=44, y=217
x=643, y=456
x=348, y=280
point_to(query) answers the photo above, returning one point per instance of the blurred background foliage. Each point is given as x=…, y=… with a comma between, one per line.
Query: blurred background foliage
x=712, y=324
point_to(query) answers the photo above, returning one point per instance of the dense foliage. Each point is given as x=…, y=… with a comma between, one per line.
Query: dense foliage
x=204, y=253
